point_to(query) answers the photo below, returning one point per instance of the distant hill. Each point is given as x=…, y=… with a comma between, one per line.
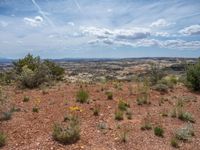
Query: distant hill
x=5, y=60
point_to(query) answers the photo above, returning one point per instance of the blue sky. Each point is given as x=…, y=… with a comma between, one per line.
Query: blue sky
x=99, y=28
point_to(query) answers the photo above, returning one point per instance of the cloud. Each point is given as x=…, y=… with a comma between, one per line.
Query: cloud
x=109, y=10
x=3, y=24
x=160, y=23
x=135, y=37
x=191, y=30
x=34, y=22
x=71, y=24
x=170, y=44
x=181, y=44
x=161, y=34
x=117, y=34
x=43, y=14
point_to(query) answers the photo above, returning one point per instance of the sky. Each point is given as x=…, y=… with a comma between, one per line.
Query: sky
x=99, y=28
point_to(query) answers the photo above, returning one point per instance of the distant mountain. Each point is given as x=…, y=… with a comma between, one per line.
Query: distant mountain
x=5, y=60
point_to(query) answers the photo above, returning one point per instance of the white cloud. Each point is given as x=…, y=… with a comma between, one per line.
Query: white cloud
x=71, y=24
x=135, y=37
x=181, y=44
x=171, y=44
x=191, y=30
x=117, y=34
x=34, y=22
x=160, y=23
x=3, y=24
x=109, y=10
x=162, y=34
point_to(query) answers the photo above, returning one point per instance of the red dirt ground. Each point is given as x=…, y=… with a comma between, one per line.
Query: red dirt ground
x=33, y=131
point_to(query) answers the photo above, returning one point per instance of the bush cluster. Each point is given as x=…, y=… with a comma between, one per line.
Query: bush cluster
x=82, y=96
x=193, y=76
x=32, y=71
x=67, y=134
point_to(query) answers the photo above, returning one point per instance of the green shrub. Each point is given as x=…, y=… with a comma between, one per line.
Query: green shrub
x=2, y=139
x=31, y=62
x=82, y=96
x=159, y=131
x=143, y=93
x=33, y=79
x=156, y=73
x=142, y=99
x=124, y=135
x=146, y=126
x=35, y=109
x=109, y=95
x=32, y=71
x=7, y=77
x=161, y=87
x=122, y=105
x=173, y=113
x=185, y=133
x=119, y=115
x=174, y=143
x=186, y=116
x=56, y=71
x=6, y=116
x=129, y=114
x=102, y=126
x=193, y=76
x=169, y=81
x=96, y=110
x=147, y=123
x=26, y=99
x=14, y=109
x=67, y=134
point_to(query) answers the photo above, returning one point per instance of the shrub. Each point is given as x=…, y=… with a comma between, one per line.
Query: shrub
x=193, y=76
x=124, y=135
x=174, y=143
x=156, y=73
x=7, y=77
x=31, y=62
x=69, y=134
x=173, y=113
x=26, y=99
x=56, y=71
x=109, y=95
x=186, y=116
x=82, y=96
x=146, y=126
x=6, y=116
x=119, y=115
x=32, y=71
x=185, y=133
x=2, y=139
x=102, y=126
x=141, y=100
x=161, y=87
x=129, y=114
x=143, y=93
x=122, y=105
x=32, y=79
x=159, y=131
x=35, y=109
x=169, y=81
x=96, y=110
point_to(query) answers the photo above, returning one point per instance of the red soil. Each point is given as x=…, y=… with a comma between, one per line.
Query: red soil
x=33, y=131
